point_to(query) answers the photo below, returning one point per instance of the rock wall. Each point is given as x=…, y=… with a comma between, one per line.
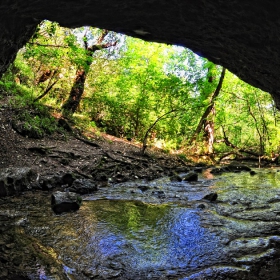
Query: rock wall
x=243, y=36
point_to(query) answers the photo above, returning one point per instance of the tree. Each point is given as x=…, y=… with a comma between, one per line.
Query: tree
x=77, y=90
x=208, y=124
x=155, y=94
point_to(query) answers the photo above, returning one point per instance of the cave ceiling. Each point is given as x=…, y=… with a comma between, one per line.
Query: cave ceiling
x=243, y=36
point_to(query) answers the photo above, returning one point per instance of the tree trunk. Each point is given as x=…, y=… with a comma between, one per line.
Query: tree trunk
x=77, y=90
x=76, y=93
x=209, y=133
x=209, y=108
x=144, y=142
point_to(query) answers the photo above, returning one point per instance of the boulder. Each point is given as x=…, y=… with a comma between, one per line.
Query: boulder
x=50, y=182
x=218, y=170
x=191, y=176
x=175, y=178
x=211, y=196
x=83, y=186
x=15, y=180
x=235, y=167
x=67, y=179
x=65, y=202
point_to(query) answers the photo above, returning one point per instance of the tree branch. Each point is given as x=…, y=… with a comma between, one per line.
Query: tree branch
x=50, y=46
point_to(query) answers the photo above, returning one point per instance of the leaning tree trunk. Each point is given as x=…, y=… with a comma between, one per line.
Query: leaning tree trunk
x=209, y=108
x=77, y=90
x=76, y=93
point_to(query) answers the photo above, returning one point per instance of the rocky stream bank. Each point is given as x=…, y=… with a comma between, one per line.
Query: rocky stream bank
x=201, y=223
x=135, y=216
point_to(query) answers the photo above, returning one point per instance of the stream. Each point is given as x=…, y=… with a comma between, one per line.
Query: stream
x=149, y=230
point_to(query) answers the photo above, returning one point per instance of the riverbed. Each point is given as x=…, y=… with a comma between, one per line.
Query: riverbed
x=149, y=230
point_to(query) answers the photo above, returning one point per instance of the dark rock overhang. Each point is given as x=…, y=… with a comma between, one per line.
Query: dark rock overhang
x=243, y=36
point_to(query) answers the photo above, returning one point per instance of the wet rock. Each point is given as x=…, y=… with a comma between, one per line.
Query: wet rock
x=65, y=161
x=101, y=176
x=275, y=199
x=50, y=182
x=211, y=196
x=191, y=176
x=143, y=188
x=219, y=170
x=15, y=180
x=17, y=260
x=182, y=169
x=201, y=206
x=199, y=169
x=65, y=202
x=159, y=194
x=119, y=177
x=234, y=167
x=3, y=273
x=83, y=186
x=67, y=179
x=175, y=178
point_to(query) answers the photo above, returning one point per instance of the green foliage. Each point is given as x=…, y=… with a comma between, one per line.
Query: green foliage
x=131, y=86
x=34, y=117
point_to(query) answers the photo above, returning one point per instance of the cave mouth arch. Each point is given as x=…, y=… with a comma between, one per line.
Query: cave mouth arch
x=239, y=35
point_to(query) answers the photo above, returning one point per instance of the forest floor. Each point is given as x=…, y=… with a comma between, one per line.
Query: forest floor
x=102, y=158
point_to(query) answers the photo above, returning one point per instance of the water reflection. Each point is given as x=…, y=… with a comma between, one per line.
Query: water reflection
x=137, y=240
x=258, y=188
x=147, y=236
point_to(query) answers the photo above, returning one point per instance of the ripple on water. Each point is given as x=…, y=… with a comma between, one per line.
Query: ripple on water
x=131, y=237
x=136, y=240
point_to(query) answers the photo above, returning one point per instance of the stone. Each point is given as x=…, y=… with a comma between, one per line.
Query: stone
x=235, y=167
x=67, y=179
x=83, y=186
x=175, y=178
x=50, y=182
x=240, y=35
x=201, y=206
x=199, y=169
x=143, y=188
x=182, y=169
x=211, y=196
x=65, y=202
x=158, y=194
x=191, y=176
x=218, y=170
x=15, y=180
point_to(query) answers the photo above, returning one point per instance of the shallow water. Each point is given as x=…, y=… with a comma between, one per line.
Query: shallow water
x=178, y=236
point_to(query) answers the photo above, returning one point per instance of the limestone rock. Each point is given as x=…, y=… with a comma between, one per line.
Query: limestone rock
x=191, y=176
x=65, y=202
x=234, y=167
x=211, y=196
x=83, y=186
x=15, y=180
x=175, y=178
